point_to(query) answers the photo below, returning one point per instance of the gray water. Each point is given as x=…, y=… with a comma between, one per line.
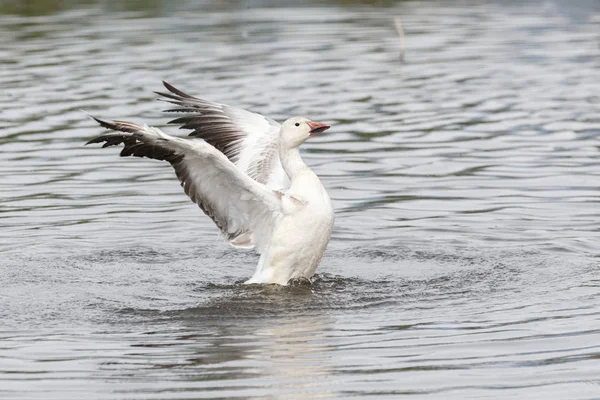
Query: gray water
x=465, y=260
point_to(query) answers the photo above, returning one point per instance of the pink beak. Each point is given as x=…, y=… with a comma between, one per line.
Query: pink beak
x=317, y=127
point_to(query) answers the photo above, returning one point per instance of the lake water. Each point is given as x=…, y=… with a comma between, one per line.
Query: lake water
x=465, y=259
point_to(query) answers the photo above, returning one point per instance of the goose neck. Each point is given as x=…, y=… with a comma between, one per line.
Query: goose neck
x=292, y=162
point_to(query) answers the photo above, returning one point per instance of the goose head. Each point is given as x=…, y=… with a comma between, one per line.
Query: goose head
x=295, y=131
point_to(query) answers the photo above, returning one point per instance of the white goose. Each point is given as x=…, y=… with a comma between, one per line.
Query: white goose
x=247, y=176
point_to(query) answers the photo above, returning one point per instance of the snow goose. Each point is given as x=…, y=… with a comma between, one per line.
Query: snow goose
x=247, y=176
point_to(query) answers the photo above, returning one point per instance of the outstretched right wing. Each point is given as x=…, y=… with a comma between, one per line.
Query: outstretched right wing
x=249, y=140
x=243, y=209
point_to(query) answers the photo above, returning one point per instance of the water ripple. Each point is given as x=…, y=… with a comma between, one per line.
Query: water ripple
x=465, y=179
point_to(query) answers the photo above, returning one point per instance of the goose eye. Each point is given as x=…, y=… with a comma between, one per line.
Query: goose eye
x=297, y=124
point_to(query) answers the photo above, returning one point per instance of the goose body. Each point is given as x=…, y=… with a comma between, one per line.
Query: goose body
x=247, y=175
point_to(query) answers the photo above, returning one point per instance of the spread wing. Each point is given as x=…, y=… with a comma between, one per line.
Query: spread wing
x=243, y=209
x=248, y=139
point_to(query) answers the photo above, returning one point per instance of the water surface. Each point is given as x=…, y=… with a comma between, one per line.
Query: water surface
x=465, y=257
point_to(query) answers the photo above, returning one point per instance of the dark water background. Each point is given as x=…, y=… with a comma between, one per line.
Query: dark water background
x=465, y=261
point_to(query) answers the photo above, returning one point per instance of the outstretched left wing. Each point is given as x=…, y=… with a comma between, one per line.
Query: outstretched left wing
x=243, y=209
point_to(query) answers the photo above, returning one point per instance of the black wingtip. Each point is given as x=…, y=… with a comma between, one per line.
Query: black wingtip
x=169, y=87
x=92, y=117
x=170, y=96
x=98, y=139
x=176, y=91
x=104, y=124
